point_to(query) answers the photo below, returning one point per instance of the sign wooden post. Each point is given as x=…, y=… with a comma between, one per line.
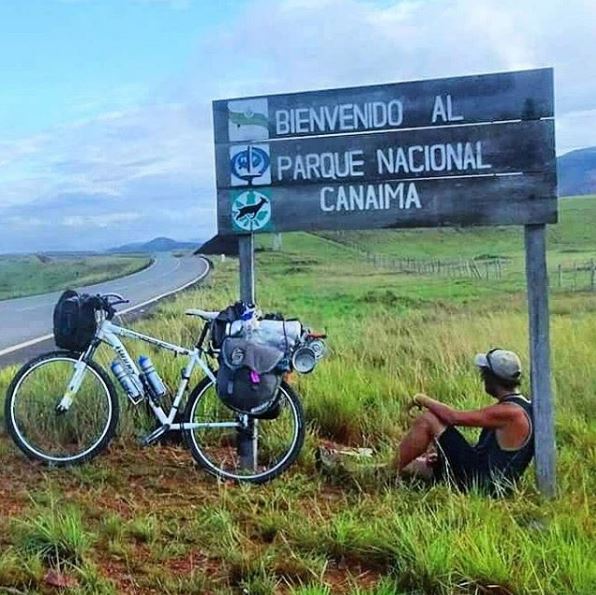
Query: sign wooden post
x=472, y=150
x=246, y=256
x=247, y=438
x=540, y=373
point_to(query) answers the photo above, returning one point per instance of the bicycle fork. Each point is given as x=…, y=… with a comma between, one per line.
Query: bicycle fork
x=73, y=387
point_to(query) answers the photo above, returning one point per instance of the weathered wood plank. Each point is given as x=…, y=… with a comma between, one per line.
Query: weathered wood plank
x=502, y=200
x=450, y=151
x=519, y=95
x=540, y=372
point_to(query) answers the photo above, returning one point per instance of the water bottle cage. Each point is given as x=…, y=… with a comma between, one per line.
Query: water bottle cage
x=147, y=388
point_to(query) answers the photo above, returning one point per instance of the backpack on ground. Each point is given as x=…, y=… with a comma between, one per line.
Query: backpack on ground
x=74, y=321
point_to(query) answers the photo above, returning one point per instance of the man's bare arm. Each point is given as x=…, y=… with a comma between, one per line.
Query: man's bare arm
x=494, y=416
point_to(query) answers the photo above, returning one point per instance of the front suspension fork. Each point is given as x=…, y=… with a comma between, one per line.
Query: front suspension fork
x=76, y=380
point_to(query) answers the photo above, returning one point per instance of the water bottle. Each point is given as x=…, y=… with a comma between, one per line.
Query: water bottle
x=127, y=381
x=155, y=383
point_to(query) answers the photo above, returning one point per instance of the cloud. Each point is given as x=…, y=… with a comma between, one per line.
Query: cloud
x=156, y=160
x=109, y=220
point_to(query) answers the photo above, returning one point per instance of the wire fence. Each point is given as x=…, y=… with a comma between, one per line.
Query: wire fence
x=575, y=276
x=570, y=276
x=483, y=267
x=486, y=269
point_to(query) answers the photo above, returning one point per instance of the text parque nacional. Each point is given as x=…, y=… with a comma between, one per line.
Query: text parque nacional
x=400, y=160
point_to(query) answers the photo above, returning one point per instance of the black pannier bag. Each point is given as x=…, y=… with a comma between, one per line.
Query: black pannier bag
x=249, y=377
x=74, y=321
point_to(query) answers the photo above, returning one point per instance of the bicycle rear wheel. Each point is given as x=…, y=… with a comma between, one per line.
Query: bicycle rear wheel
x=215, y=445
x=48, y=435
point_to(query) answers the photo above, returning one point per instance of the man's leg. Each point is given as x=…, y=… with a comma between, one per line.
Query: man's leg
x=424, y=430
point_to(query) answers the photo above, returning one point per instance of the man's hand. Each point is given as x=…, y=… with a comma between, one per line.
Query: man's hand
x=420, y=400
x=440, y=410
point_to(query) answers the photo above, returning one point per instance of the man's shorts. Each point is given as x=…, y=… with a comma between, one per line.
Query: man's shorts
x=457, y=460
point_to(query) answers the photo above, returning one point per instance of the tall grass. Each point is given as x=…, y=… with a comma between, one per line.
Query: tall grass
x=55, y=534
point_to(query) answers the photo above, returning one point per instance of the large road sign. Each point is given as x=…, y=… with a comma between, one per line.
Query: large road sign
x=459, y=151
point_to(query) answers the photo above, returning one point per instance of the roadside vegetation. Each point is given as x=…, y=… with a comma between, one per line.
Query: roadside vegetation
x=146, y=521
x=35, y=274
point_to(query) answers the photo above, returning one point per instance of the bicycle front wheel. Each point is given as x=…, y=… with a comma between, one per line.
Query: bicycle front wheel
x=221, y=437
x=43, y=432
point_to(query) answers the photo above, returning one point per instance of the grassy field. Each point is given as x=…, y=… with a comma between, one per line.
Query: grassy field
x=144, y=521
x=31, y=275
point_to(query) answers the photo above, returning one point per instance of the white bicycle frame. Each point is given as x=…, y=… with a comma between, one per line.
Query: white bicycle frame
x=110, y=333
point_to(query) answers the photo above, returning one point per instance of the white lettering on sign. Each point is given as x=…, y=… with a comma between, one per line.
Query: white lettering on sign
x=327, y=165
x=366, y=197
x=429, y=158
x=344, y=117
x=443, y=110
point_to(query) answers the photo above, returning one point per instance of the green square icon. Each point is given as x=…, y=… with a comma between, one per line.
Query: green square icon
x=251, y=210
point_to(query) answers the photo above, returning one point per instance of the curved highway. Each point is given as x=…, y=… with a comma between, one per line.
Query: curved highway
x=27, y=322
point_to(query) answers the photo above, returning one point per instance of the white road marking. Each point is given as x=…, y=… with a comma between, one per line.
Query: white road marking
x=31, y=342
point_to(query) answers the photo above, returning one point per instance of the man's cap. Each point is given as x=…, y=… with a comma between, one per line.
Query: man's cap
x=502, y=363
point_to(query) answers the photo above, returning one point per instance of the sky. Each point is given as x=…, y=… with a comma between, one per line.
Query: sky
x=105, y=111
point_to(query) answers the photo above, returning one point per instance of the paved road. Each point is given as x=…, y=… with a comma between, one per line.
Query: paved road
x=26, y=322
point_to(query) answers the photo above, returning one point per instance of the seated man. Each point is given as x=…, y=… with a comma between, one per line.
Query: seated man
x=506, y=443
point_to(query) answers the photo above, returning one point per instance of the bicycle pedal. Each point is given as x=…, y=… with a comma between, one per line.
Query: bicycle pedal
x=154, y=436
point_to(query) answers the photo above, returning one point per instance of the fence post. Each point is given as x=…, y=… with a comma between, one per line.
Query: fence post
x=560, y=275
x=277, y=242
x=592, y=275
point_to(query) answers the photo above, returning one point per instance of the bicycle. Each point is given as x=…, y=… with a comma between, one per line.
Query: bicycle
x=60, y=429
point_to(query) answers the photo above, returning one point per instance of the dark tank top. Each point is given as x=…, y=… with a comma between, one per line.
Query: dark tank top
x=503, y=466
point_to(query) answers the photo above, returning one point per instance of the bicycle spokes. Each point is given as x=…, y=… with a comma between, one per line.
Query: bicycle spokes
x=237, y=446
x=59, y=423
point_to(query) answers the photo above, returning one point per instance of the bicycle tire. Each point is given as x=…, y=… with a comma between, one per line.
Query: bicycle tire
x=33, y=454
x=264, y=477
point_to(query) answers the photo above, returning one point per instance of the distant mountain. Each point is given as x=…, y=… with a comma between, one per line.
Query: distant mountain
x=577, y=172
x=156, y=245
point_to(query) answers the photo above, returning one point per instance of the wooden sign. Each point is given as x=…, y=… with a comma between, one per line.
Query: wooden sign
x=462, y=151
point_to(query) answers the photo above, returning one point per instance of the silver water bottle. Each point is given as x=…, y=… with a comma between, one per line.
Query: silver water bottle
x=152, y=377
x=127, y=381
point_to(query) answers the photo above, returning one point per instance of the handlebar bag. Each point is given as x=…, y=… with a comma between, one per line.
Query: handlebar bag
x=74, y=321
x=249, y=377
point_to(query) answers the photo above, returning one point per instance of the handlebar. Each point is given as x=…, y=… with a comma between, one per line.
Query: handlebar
x=108, y=295
x=104, y=302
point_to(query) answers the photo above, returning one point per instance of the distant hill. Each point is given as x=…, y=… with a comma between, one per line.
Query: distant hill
x=156, y=245
x=577, y=172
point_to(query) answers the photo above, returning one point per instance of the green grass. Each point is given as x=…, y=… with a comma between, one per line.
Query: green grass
x=154, y=524
x=31, y=275
x=54, y=535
